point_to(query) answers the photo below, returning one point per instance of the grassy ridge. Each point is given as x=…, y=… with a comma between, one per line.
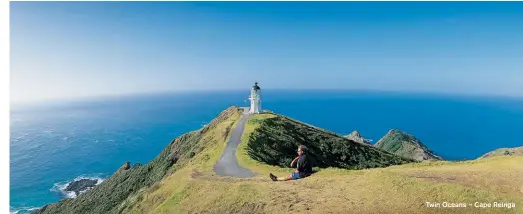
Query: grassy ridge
x=108, y=195
x=124, y=184
x=275, y=140
x=170, y=194
x=395, y=189
x=405, y=145
x=518, y=151
x=193, y=187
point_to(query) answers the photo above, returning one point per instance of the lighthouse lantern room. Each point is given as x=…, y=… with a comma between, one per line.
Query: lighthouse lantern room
x=255, y=99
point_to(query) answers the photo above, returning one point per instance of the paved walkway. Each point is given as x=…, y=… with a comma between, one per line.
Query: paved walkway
x=228, y=164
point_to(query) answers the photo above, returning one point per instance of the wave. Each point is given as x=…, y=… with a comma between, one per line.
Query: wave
x=61, y=186
x=22, y=210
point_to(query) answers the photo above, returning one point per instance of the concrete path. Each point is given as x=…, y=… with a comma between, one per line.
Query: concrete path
x=228, y=164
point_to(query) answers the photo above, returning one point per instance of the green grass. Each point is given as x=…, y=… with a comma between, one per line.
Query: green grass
x=242, y=155
x=107, y=196
x=195, y=188
x=275, y=139
x=405, y=145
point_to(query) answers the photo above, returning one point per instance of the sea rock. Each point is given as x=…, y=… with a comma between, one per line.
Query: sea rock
x=80, y=185
x=405, y=145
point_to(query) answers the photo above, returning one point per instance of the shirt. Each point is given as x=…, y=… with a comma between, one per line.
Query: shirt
x=304, y=166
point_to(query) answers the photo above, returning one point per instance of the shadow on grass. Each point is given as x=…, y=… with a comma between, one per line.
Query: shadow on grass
x=276, y=141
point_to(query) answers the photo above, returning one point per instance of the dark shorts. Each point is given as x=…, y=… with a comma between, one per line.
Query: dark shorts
x=295, y=176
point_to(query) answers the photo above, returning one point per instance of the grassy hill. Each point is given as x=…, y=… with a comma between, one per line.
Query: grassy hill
x=518, y=151
x=111, y=195
x=405, y=145
x=273, y=139
x=191, y=186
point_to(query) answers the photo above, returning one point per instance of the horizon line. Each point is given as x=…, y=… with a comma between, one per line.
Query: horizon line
x=133, y=94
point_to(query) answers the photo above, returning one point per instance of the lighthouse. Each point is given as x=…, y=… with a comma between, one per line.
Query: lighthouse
x=255, y=99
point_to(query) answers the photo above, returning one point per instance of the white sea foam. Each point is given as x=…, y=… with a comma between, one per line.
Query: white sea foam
x=60, y=186
x=22, y=210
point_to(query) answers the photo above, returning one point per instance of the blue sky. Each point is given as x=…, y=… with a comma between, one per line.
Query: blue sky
x=79, y=49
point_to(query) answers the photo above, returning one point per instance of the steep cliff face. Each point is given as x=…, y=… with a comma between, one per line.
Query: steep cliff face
x=405, y=145
x=128, y=181
x=518, y=151
x=275, y=141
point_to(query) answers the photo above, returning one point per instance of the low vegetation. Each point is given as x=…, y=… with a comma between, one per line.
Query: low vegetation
x=518, y=151
x=405, y=145
x=191, y=186
x=108, y=195
x=276, y=139
x=129, y=183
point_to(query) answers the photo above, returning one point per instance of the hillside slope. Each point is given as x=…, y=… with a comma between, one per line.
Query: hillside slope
x=518, y=151
x=405, y=145
x=126, y=183
x=191, y=185
x=276, y=139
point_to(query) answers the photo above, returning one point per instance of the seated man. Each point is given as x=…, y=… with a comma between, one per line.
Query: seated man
x=303, y=168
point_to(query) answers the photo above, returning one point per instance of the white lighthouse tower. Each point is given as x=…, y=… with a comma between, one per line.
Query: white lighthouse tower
x=255, y=99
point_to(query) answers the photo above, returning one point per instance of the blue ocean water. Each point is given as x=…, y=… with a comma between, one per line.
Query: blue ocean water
x=55, y=143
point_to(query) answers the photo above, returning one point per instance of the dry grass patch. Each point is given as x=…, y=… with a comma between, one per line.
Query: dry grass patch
x=499, y=174
x=197, y=189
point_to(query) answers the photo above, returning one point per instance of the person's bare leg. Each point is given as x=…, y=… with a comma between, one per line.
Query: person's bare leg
x=274, y=178
x=285, y=178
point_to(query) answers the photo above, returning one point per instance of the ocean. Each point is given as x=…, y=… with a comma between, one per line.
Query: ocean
x=55, y=143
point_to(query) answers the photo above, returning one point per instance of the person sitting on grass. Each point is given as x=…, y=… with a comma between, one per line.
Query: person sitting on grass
x=303, y=168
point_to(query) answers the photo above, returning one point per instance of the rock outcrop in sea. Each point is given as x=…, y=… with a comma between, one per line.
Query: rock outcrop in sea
x=81, y=185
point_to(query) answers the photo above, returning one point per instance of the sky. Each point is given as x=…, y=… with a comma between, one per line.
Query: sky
x=62, y=50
